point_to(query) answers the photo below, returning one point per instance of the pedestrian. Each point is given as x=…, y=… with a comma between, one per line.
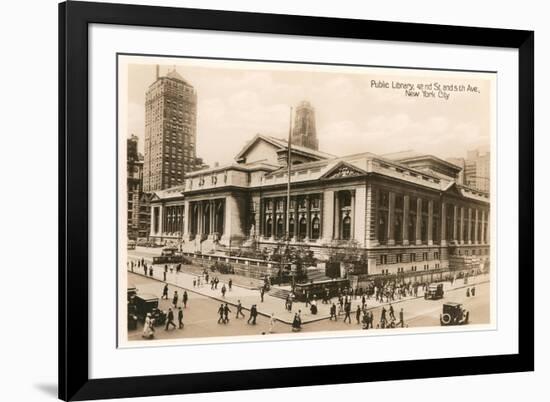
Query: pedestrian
x=262, y=291
x=290, y=304
x=371, y=318
x=223, y=290
x=365, y=320
x=391, y=312
x=239, y=309
x=467, y=292
x=194, y=282
x=401, y=319
x=151, y=271
x=383, y=318
x=307, y=298
x=358, y=314
x=148, y=328
x=226, y=312
x=333, y=312
x=216, y=281
x=272, y=323
x=185, y=298
x=198, y=281
x=253, y=315
x=347, y=310
x=212, y=284
x=165, y=292
x=175, y=299
x=230, y=284
x=220, y=312
x=170, y=319
x=180, y=318
x=473, y=291
x=363, y=302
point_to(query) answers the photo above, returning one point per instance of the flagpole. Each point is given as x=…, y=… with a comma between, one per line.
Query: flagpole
x=288, y=182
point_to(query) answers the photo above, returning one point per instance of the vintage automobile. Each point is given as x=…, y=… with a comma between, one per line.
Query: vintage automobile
x=434, y=292
x=147, y=303
x=132, y=291
x=454, y=314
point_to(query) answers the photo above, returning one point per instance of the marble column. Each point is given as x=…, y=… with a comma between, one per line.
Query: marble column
x=418, y=221
x=476, y=227
x=455, y=223
x=443, y=220
x=352, y=226
x=469, y=228
x=430, y=222
x=337, y=215
x=391, y=219
x=405, y=220
x=483, y=227
x=461, y=237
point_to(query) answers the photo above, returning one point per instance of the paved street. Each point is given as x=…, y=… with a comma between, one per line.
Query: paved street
x=200, y=317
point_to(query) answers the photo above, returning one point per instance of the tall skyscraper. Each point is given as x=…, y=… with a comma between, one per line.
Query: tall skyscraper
x=304, y=132
x=170, y=131
x=138, y=211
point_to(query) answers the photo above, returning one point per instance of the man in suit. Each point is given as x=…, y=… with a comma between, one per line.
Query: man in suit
x=180, y=318
x=170, y=319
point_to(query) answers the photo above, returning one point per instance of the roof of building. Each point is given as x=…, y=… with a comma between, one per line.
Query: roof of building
x=175, y=76
x=282, y=145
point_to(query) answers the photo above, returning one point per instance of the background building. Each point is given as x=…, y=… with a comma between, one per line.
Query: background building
x=170, y=131
x=138, y=211
x=304, y=132
x=477, y=171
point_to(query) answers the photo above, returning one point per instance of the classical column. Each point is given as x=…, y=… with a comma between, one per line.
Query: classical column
x=186, y=218
x=161, y=220
x=352, y=226
x=430, y=222
x=321, y=217
x=391, y=219
x=199, y=218
x=455, y=223
x=152, y=222
x=469, y=237
x=212, y=217
x=296, y=218
x=443, y=220
x=328, y=215
x=418, y=221
x=308, y=218
x=337, y=215
x=461, y=237
x=483, y=226
x=476, y=227
x=275, y=219
x=405, y=220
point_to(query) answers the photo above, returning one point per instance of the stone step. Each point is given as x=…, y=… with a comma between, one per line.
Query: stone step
x=279, y=293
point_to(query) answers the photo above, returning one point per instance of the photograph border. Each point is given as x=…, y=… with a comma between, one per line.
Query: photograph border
x=73, y=341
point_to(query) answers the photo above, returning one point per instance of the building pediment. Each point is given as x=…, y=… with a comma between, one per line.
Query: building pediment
x=342, y=170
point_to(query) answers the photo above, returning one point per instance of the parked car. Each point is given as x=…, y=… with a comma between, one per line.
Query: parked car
x=434, y=292
x=454, y=314
x=147, y=303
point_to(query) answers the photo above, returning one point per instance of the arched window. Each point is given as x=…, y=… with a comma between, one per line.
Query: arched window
x=269, y=228
x=280, y=228
x=291, y=227
x=315, y=228
x=302, y=228
x=346, y=228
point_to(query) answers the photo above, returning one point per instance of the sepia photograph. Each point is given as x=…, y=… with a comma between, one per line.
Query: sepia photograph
x=267, y=200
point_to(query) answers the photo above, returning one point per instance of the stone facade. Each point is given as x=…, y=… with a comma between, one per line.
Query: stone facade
x=405, y=220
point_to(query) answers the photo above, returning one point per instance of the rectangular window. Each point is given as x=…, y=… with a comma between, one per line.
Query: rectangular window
x=383, y=259
x=413, y=257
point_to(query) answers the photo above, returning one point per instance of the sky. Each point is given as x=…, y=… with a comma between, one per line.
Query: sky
x=238, y=99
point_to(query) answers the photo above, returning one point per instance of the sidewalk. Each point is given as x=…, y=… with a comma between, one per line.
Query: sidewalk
x=245, y=290
x=271, y=304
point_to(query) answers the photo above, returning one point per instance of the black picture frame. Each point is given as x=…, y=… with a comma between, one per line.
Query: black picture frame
x=74, y=18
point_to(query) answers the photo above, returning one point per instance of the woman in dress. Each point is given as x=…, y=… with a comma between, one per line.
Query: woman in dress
x=272, y=323
x=148, y=331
